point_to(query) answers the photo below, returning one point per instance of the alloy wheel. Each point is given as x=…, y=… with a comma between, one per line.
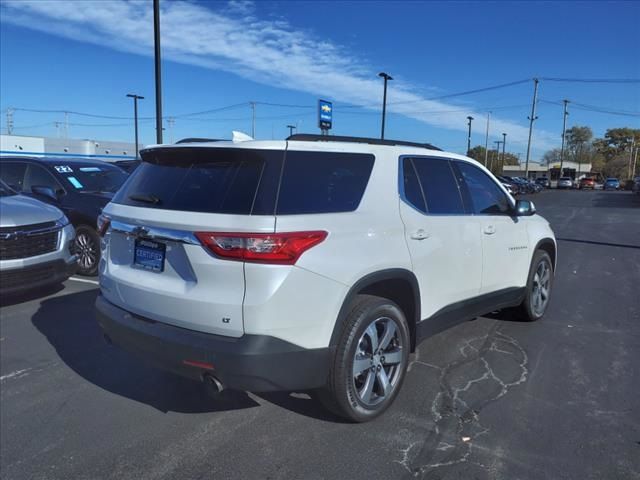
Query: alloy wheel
x=87, y=251
x=378, y=362
x=541, y=288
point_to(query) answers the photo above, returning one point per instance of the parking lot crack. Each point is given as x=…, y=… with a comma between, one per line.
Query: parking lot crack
x=487, y=368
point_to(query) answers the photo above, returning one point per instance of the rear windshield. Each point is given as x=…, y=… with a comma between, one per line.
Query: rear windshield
x=199, y=180
x=244, y=182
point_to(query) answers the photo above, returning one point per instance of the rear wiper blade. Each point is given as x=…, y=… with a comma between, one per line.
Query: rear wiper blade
x=145, y=198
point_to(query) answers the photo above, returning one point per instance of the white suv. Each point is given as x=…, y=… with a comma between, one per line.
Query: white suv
x=316, y=263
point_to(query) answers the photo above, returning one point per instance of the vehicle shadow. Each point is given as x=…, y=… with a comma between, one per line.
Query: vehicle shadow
x=68, y=323
x=303, y=403
x=616, y=200
x=15, y=299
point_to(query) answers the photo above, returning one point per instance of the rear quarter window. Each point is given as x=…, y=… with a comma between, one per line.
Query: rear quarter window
x=323, y=182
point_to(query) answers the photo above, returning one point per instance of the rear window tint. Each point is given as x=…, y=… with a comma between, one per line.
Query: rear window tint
x=323, y=182
x=211, y=180
x=248, y=182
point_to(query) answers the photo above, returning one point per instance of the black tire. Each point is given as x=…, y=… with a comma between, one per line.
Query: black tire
x=362, y=397
x=536, y=302
x=87, y=247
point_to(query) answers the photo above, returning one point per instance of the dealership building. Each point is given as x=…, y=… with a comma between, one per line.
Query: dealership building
x=552, y=171
x=28, y=146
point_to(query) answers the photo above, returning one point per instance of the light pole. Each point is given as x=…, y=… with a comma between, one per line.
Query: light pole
x=486, y=141
x=156, y=43
x=386, y=77
x=470, y=118
x=497, y=142
x=135, y=115
x=291, y=129
x=504, y=143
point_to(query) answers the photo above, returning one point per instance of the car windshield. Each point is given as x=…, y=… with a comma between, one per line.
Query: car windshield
x=565, y=179
x=92, y=177
x=5, y=190
x=612, y=179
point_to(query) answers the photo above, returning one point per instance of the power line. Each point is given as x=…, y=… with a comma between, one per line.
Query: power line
x=442, y=97
x=595, y=108
x=591, y=80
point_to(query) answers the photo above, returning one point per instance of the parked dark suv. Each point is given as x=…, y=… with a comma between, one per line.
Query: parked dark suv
x=80, y=188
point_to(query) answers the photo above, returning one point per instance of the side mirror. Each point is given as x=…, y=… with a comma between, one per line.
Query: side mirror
x=525, y=208
x=44, y=191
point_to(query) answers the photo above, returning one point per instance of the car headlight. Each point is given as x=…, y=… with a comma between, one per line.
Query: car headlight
x=63, y=221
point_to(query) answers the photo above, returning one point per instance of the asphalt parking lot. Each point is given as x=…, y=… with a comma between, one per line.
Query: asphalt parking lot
x=489, y=399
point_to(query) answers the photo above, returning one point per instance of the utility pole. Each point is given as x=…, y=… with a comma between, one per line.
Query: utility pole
x=470, y=118
x=486, y=141
x=157, y=52
x=504, y=143
x=386, y=77
x=253, y=119
x=291, y=129
x=9, y=121
x=135, y=116
x=635, y=162
x=532, y=119
x=564, y=131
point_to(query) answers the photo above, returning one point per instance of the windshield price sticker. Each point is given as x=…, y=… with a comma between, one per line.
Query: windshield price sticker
x=63, y=169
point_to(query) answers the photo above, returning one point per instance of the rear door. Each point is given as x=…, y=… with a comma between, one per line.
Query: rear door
x=444, y=242
x=155, y=266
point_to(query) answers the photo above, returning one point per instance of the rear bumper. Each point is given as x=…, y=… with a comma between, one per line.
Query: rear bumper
x=21, y=279
x=256, y=363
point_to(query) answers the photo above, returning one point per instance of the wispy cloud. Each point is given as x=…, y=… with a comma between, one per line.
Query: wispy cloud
x=232, y=38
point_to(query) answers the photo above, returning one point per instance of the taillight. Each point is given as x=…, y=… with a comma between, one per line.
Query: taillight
x=103, y=224
x=278, y=248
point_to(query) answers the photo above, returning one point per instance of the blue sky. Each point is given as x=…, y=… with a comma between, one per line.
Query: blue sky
x=86, y=56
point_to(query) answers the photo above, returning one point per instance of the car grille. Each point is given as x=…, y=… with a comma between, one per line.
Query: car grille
x=26, y=277
x=28, y=241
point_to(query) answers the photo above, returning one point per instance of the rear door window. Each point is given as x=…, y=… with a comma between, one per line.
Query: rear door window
x=323, y=182
x=439, y=185
x=211, y=180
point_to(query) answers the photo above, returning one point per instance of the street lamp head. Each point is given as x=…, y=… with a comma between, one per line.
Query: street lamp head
x=386, y=76
x=132, y=95
x=469, y=118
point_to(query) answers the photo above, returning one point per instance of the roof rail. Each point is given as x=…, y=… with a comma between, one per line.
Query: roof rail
x=198, y=140
x=310, y=137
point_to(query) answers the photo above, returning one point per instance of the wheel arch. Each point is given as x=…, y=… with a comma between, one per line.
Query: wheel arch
x=397, y=284
x=548, y=245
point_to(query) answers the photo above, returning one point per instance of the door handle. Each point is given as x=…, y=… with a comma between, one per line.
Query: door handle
x=420, y=235
x=489, y=230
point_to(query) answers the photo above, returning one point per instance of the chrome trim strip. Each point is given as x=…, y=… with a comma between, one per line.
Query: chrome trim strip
x=155, y=233
x=13, y=234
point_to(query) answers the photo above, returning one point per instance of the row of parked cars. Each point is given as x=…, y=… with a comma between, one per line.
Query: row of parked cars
x=588, y=183
x=523, y=186
x=48, y=228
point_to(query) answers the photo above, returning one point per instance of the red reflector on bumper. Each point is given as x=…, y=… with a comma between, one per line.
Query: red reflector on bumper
x=195, y=363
